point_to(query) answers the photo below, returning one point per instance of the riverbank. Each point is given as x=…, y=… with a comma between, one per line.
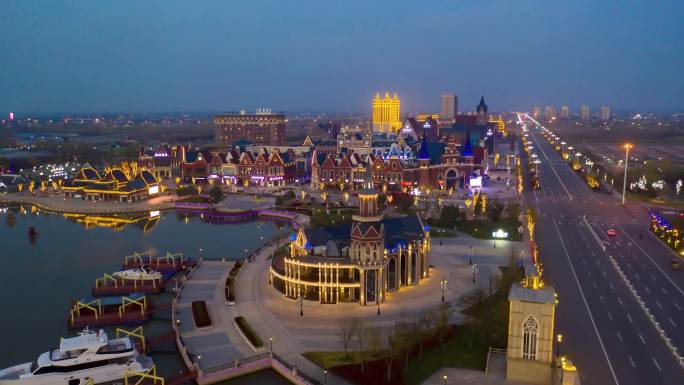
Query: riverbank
x=57, y=204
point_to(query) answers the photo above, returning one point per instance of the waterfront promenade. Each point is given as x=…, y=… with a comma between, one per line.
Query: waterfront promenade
x=58, y=204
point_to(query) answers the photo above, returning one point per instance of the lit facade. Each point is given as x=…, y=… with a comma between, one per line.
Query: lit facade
x=262, y=128
x=386, y=114
x=358, y=262
x=115, y=185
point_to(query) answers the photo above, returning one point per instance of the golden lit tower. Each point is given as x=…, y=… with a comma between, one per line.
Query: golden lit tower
x=386, y=113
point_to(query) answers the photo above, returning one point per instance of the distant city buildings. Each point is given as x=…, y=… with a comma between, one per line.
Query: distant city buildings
x=605, y=113
x=564, y=112
x=386, y=114
x=585, y=113
x=263, y=127
x=549, y=112
x=448, y=106
x=536, y=112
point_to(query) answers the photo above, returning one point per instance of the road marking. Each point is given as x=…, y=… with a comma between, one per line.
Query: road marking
x=629, y=318
x=647, y=289
x=584, y=262
x=619, y=336
x=631, y=361
x=672, y=322
x=586, y=305
x=588, y=272
x=643, y=341
x=642, y=265
x=628, y=265
x=653, y=262
x=677, y=306
x=601, y=299
x=659, y=305
x=610, y=316
x=656, y=363
x=637, y=276
x=611, y=286
x=653, y=277
x=595, y=287
x=620, y=300
x=604, y=273
x=597, y=262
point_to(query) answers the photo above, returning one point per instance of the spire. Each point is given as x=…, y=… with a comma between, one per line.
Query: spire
x=467, y=147
x=482, y=106
x=424, y=153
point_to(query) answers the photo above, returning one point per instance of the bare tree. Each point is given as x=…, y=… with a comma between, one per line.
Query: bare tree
x=359, y=332
x=346, y=332
x=440, y=318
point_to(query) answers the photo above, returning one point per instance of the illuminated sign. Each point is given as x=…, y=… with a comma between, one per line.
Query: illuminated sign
x=153, y=190
x=499, y=234
x=476, y=182
x=154, y=214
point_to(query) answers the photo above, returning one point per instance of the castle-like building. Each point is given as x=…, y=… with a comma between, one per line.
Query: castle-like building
x=386, y=114
x=357, y=262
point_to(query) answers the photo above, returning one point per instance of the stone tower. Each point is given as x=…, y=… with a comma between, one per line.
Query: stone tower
x=530, y=330
x=481, y=112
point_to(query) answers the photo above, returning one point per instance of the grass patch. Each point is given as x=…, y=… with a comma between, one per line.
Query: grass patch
x=483, y=229
x=251, y=335
x=327, y=360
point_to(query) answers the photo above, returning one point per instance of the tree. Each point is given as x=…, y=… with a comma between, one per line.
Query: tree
x=449, y=217
x=216, y=194
x=186, y=190
x=287, y=197
x=403, y=201
x=346, y=332
x=360, y=334
x=494, y=211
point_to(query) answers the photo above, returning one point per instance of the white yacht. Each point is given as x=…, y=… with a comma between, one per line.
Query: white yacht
x=90, y=356
x=143, y=273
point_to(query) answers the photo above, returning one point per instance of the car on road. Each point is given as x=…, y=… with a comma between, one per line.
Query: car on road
x=675, y=264
x=611, y=232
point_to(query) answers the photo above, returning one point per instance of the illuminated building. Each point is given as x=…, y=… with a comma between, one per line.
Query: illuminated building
x=585, y=113
x=536, y=112
x=116, y=185
x=564, y=112
x=448, y=106
x=529, y=355
x=358, y=262
x=262, y=128
x=549, y=112
x=386, y=114
x=605, y=113
x=164, y=162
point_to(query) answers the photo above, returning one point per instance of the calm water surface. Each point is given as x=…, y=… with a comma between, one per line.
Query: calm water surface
x=40, y=278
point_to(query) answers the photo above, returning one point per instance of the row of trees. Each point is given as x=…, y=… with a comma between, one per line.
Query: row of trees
x=408, y=335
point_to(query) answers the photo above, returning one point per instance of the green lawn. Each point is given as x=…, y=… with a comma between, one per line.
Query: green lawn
x=483, y=229
x=327, y=360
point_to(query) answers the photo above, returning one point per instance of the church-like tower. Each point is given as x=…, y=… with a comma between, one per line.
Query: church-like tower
x=423, y=163
x=481, y=112
x=367, y=232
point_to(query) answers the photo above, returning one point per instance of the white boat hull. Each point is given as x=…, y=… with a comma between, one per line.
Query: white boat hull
x=99, y=375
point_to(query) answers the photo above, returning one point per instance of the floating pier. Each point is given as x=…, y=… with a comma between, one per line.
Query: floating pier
x=108, y=285
x=171, y=262
x=134, y=309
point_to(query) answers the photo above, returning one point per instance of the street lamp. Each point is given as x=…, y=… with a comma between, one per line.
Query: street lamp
x=378, y=302
x=270, y=344
x=443, y=282
x=325, y=377
x=559, y=339
x=301, y=305
x=624, y=183
x=444, y=378
x=470, y=258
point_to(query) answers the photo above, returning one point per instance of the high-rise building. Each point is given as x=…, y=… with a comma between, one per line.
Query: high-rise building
x=386, y=114
x=585, y=113
x=536, y=112
x=448, y=106
x=549, y=112
x=605, y=113
x=263, y=127
x=564, y=112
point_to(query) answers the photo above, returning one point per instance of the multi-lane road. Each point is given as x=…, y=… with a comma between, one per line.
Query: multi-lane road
x=620, y=304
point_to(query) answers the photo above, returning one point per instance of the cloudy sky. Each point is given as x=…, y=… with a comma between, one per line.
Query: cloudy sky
x=149, y=56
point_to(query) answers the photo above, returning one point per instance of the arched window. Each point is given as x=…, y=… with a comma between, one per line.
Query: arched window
x=530, y=331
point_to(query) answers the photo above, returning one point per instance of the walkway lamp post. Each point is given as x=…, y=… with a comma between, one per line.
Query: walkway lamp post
x=325, y=377
x=470, y=256
x=270, y=344
x=559, y=339
x=624, y=183
x=301, y=305
x=443, y=282
x=444, y=378
x=378, y=302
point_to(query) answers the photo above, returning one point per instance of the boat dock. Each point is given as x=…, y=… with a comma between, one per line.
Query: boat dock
x=110, y=310
x=165, y=264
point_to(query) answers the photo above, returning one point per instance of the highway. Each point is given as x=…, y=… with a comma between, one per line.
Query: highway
x=616, y=293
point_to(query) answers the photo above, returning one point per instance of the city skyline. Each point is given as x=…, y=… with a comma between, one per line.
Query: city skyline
x=94, y=59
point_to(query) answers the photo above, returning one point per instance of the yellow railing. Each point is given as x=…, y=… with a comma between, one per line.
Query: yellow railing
x=150, y=373
x=106, y=277
x=125, y=302
x=136, y=333
x=76, y=310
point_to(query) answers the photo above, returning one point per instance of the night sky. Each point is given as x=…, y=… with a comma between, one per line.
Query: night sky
x=165, y=56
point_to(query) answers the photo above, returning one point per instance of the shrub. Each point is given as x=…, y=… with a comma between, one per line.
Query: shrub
x=248, y=332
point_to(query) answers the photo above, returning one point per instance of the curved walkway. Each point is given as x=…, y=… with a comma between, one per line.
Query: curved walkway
x=58, y=204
